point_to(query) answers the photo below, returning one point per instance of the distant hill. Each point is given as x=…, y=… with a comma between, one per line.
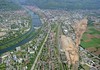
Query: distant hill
x=64, y=4
x=6, y=5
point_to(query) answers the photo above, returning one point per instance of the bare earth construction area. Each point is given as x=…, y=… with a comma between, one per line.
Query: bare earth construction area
x=70, y=50
x=70, y=47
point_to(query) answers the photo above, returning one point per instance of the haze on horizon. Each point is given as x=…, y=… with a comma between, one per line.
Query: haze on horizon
x=63, y=4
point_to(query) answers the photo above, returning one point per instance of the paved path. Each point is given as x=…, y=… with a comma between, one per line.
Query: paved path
x=33, y=66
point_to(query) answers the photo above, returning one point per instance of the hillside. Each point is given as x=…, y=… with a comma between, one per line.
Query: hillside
x=6, y=5
x=64, y=4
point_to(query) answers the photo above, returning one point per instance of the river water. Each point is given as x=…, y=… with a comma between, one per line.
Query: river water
x=35, y=23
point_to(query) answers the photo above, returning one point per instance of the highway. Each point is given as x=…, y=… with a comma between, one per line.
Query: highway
x=59, y=43
x=33, y=66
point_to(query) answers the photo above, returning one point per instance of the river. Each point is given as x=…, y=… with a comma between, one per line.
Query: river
x=35, y=23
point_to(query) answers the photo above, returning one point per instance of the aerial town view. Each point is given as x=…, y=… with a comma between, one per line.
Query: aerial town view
x=49, y=34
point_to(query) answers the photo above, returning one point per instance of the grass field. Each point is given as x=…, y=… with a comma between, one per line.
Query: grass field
x=91, y=38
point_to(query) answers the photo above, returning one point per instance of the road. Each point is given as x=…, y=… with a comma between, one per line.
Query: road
x=58, y=43
x=33, y=66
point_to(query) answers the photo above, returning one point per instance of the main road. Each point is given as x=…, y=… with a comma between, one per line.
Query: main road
x=33, y=66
